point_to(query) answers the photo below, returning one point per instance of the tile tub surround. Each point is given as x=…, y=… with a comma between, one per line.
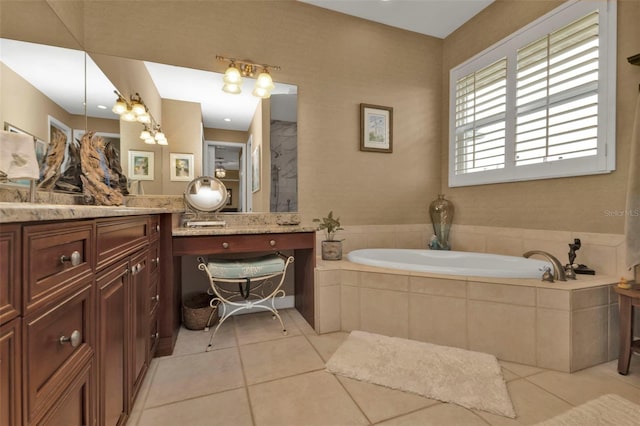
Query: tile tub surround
x=561, y=326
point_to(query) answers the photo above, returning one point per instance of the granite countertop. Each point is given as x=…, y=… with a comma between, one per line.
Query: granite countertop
x=240, y=229
x=31, y=212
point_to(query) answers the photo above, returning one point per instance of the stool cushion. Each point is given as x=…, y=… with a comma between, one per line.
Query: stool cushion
x=245, y=268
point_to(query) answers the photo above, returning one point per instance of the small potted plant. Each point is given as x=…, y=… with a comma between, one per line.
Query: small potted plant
x=331, y=248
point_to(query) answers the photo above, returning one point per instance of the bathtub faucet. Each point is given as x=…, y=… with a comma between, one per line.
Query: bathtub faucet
x=558, y=269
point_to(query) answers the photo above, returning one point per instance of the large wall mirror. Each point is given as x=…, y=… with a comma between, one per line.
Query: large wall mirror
x=248, y=143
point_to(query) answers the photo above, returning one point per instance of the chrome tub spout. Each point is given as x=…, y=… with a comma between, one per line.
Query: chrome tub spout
x=558, y=269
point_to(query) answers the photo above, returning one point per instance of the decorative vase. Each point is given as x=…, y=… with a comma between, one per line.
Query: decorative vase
x=441, y=212
x=331, y=250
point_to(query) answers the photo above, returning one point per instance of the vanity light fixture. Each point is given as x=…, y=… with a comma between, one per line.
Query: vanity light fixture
x=135, y=109
x=243, y=68
x=220, y=172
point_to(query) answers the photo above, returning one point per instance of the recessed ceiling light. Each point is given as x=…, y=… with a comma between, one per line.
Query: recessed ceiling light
x=227, y=119
x=102, y=107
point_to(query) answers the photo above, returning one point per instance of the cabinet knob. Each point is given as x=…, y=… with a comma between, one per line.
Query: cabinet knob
x=74, y=340
x=155, y=298
x=272, y=243
x=157, y=228
x=157, y=260
x=225, y=245
x=75, y=258
x=155, y=335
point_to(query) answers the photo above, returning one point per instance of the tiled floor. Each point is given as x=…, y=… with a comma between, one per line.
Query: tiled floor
x=257, y=376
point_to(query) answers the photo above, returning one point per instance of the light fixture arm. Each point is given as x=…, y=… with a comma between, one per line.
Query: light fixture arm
x=246, y=62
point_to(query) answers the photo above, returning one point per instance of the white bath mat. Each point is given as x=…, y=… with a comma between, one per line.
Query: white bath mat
x=607, y=410
x=470, y=379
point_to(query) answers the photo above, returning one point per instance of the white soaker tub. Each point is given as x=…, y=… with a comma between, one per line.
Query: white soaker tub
x=451, y=262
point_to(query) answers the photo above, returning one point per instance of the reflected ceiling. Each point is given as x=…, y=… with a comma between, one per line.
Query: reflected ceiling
x=59, y=74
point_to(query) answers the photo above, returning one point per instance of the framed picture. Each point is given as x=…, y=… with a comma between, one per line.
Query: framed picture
x=182, y=166
x=376, y=128
x=255, y=169
x=229, y=195
x=140, y=165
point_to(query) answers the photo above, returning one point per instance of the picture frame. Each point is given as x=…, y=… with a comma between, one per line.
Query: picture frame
x=181, y=167
x=229, y=196
x=255, y=168
x=376, y=128
x=141, y=165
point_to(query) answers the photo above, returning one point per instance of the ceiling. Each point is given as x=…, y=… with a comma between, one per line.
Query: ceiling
x=437, y=18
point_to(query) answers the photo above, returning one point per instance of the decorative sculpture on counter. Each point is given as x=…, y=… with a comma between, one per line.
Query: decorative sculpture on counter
x=70, y=180
x=113, y=161
x=96, y=175
x=441, y=212
x=52, y=164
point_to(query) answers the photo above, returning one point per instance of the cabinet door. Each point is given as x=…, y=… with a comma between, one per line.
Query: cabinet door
x=112, y=346
x=10, y=378
x=139, y=322
x=75, y=407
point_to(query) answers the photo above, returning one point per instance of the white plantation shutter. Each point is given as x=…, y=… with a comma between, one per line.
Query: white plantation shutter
x=557, y=94
x=540, y=104
x=481, y=100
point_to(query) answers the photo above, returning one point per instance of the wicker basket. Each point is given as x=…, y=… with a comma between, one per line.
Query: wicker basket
x=196, y=311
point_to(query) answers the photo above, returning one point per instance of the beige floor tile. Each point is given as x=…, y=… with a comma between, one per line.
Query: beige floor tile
x=610, y=369
x=380, y=403
x=196, y=341
x=520, y=370
x=299, y=320
x=224, y=408
x=438, y=415
x=143, y=393
x=509, y=375
x=326, y=344
x=532, y=405
x=189, y=376
x=279, y=358
x=585, y=385
x=311, y=399
x=260, y=327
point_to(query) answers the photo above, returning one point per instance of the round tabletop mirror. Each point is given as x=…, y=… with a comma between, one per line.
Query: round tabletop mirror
x=206, y=194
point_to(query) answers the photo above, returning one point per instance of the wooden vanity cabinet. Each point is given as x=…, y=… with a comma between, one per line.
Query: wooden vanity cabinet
x=78, y=314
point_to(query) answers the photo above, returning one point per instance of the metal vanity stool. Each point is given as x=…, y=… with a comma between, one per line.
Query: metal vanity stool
x=259, y=281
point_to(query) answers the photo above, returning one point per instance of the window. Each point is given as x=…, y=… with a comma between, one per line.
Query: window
x=539, y=104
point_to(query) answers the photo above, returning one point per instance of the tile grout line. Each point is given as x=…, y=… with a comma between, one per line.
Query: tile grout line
x=244, y=375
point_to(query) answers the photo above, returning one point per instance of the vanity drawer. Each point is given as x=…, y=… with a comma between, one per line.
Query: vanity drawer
x=117, y=238
x=55, y=343
x=10, y=261
x=244, y=243
x=55, y=257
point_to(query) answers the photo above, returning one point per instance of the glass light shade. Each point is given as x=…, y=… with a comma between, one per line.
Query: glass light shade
x=261, y=92
x=232, y=75
x=265, y=81
x=144, y=118
x=163, y=142
x=234, y=89
x=138, y=108
x=119, y=107
x=150, y=141
x=220, y=172
x=145, y=134
x=128, y=116
x=160, y=135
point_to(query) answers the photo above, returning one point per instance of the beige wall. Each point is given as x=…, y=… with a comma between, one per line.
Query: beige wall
x=570, y=204
x=337, y=62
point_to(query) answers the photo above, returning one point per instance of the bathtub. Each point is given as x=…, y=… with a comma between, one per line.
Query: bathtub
x=451, y=262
